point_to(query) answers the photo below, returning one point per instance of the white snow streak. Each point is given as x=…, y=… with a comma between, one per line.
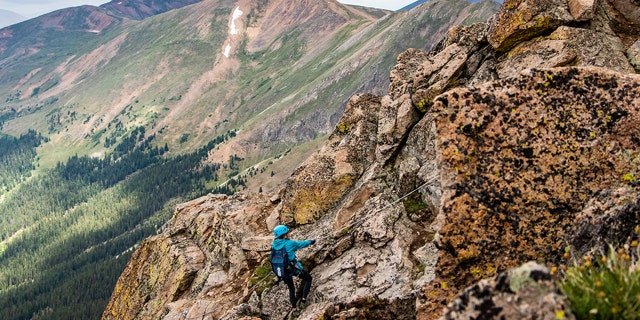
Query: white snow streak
x=227, y=50
x=237, y=13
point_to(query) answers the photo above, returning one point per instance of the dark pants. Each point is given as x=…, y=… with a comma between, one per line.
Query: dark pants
x=306, y=286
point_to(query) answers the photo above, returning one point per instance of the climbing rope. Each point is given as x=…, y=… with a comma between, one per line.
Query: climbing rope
x=361, y=220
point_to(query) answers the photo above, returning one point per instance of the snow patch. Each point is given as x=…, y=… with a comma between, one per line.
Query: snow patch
x=227, y=50
x=237, y=13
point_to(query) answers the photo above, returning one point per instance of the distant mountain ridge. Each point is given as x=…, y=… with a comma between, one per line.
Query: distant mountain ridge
x=140, y=9
x=8, y=18
x=419, y=2
x=413, y=5
x=129, y=9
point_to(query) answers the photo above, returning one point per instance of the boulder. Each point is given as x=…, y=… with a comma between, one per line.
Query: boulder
x=396, y=118
x=404, y=72
x=633, y=53
x=522, y=20
x=527, y=292
x=438, y=74
x=582, y=10
x=525, y=157
x=566, y=46
x=257, y=243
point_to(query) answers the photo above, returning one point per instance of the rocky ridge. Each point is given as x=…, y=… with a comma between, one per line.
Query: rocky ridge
x=138, y=10
x=506, y=143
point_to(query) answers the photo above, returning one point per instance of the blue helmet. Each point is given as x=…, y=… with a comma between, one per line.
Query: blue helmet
x=280, y=230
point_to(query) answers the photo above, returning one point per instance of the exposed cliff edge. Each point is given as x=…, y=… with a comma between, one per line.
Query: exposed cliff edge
x=520, y=136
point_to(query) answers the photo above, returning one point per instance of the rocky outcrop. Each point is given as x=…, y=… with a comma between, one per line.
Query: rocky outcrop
x=196, y=266
x=520, y=21
x=527, y=292
x=473, y=164
x=322, y=180
x=525, y=157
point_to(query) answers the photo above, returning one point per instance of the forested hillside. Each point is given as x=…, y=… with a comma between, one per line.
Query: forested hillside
x=78, y=220
x=16, y=159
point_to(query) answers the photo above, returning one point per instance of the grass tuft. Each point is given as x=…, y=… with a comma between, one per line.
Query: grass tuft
x=605, y=287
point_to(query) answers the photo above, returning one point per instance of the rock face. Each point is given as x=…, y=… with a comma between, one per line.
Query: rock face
x=526, y=157
x=506, y=142
x=197, y=265
x=321, y=181
x=527, y=292
x=522, y=20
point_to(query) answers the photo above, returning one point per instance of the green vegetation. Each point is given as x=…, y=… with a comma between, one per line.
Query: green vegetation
x=17, y=158
x=67, y=233
x=605, y=287
x=261, y=278
x=414, y=204
x=634, y=165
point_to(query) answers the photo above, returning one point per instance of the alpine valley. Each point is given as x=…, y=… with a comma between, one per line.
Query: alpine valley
x=113, y=116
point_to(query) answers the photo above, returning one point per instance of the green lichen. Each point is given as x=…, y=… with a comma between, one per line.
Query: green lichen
x=521, y=277
x=526, y=30
x=311, y=204
x=423, y=105
x=260, y=279
x=628, y=177
x=414, y=204
x=343, y=128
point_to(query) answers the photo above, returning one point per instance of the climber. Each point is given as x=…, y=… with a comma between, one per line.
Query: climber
x=282, y=241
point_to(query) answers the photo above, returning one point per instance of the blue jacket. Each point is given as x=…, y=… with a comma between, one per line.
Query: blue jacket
x=291, y=246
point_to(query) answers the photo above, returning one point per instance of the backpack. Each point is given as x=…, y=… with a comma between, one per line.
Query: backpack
x=280, y=263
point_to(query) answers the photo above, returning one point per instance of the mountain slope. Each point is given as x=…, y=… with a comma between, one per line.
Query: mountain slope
x=178, y=71
x=136, y=116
